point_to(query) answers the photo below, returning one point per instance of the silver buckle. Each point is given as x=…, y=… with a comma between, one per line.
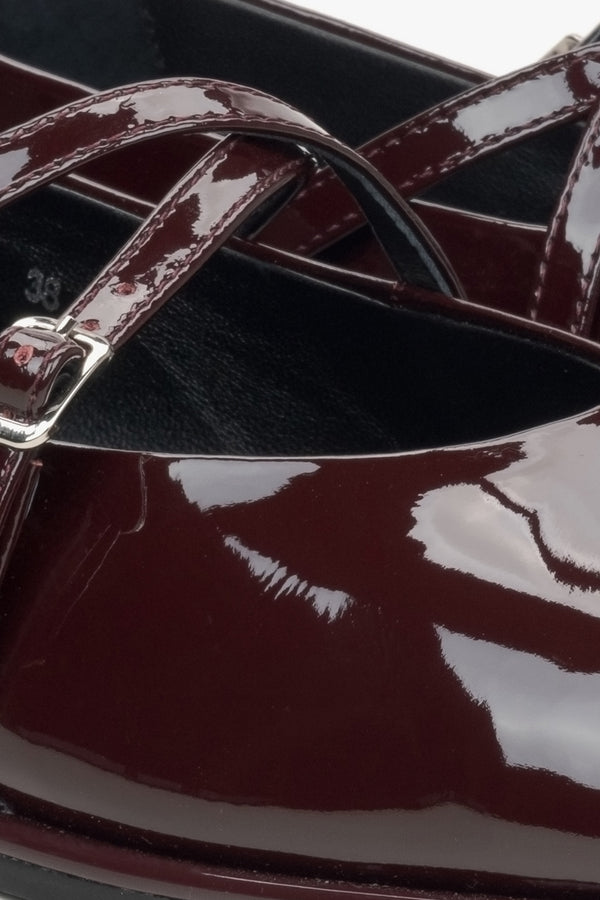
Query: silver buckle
x=21, y=436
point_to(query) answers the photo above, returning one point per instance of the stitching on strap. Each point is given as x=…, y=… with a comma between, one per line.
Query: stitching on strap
x=491, y=141
x=419, y=124
x=557, y=226
x=123, y=138
x=144, y=237
x=145, y=234
x=445, y=167
x=73, y=109
x=582, y=306
x=195, y=248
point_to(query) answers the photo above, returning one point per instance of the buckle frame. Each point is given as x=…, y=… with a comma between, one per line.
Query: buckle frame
x=19, y=435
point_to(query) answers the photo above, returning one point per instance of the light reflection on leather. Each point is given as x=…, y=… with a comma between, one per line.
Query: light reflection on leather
x=543, y=717
x=212, y=483
x=533, y=526
x=11, y=164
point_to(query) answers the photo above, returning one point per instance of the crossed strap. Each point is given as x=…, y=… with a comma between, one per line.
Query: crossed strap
x=487, y=119
x=222, y=190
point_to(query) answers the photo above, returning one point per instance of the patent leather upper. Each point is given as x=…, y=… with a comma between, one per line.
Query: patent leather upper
x=357, y=658
x=308, y=665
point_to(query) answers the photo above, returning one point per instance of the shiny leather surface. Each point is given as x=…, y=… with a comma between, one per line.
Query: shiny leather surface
x=182, y=233
x=292, y=637
x=147, y=174
x=94, y=125
x=465, y=237
x=495, y=260
x=408, y=637
x=31, y=362
x=59, y=859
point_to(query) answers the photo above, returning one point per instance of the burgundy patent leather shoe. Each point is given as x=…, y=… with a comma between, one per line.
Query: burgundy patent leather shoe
x=299, y=591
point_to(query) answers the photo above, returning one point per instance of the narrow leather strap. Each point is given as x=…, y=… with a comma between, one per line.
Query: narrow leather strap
x=142, y=174
x=54, y=144
x=32, y=363
x=566, y=290
x=194, y=219
x=488, y=119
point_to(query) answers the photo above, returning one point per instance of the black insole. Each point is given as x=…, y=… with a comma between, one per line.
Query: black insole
x=253, y=359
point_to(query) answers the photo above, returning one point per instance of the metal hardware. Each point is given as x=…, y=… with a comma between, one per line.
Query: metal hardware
x=568, y=42
x=22, y=436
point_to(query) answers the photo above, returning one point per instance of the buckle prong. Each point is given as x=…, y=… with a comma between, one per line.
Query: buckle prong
x=65, y=326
